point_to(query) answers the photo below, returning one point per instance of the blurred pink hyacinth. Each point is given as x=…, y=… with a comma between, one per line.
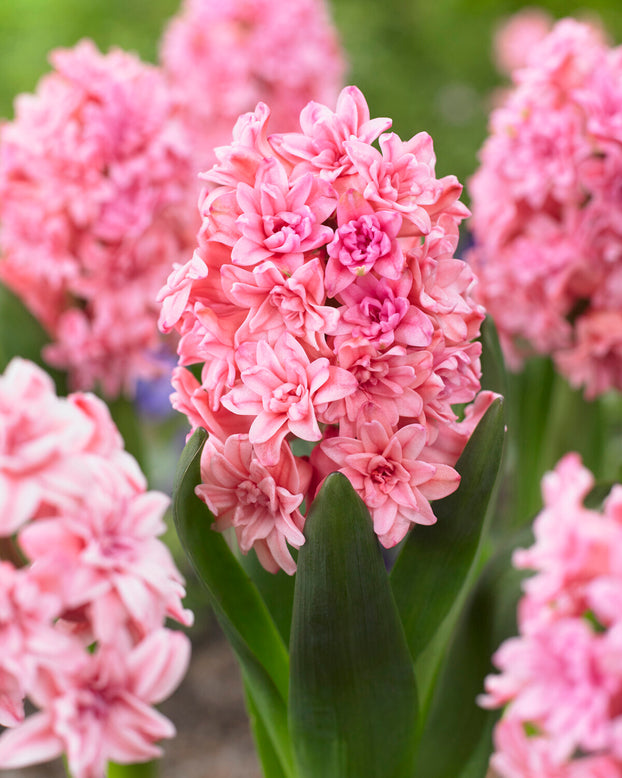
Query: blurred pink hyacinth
x=560, y=681
x=95, y=180
x=82, y=614
x=516, y=35
x=546, y=209
x=223, y=56
x=333, y=325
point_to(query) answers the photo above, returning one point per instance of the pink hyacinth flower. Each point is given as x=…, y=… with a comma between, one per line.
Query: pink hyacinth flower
x=285, y=391
x=385, y=469
x=320, y=146
x=99, y=709
x=40, y=435
x=278, y=221
x=107, y=555
x=378, y=311
x=279, y=302
x=261, y=503
x=97, y=160
x=365, y=239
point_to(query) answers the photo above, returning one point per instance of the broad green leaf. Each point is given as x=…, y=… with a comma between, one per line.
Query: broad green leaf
x=353, y=700
x=237, y=603
x=435, y=562
x=271, y=710
x=456, y=740
x=139, y=770
x=276, y=589
x=268, y=757
x=494, y=376
x=21, y=335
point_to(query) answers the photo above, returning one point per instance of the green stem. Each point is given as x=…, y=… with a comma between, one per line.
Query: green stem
x=139, y=770
x=547, y=419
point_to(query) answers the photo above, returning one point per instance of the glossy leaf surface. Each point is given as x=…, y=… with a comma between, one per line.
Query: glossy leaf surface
x=353, y=699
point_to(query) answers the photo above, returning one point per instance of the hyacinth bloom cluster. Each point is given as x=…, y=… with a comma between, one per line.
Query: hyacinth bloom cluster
x=95, y=176
x=516, y=35
x=546, y=209
x=85, y=588
x=561, y=679
x=333, y=325
x=223, y=56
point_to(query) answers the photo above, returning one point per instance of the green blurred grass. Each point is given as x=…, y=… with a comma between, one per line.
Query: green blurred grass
x=425, y=64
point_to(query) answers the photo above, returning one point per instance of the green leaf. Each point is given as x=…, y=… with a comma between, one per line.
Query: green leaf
x=238, y=605
x=138, y=770
x=434, y=564
x=276, y=589
x=457, y=738
x=353, y=700
x=494, y=375
x=21, y=335
x=269, y=759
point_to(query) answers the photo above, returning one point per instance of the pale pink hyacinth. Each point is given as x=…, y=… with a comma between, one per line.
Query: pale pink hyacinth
x=546, y=216
x=222, y=56
x=324, y=307
x=95, y=180
x=560, y=680
x=82, y=617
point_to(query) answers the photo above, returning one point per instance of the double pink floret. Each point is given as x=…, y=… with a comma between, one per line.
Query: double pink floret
x=86, y=589
x=546, y=208
x=332, y=324
x=561, y=678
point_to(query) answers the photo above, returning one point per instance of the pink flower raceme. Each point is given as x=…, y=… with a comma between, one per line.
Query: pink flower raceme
x=327, y=311
x=95, y=176
x=516, y=35
x=561, y=678
x=82, y=621
x=545, y=210
x=223, y=56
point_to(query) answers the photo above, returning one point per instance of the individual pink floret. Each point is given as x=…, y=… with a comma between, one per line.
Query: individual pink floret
x=279, y=222
x=262, y=503
x=285, y=392
x=319, y=147
x=281, y=302
x=364, y=240
x=95, y=204
x=560, y=680
x=545, y=217
x=387, y=472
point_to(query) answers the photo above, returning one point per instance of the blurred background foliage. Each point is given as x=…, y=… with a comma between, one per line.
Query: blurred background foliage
x=427, y=64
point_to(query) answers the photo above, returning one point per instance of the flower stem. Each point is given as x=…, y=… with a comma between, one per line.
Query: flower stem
x=141, y=770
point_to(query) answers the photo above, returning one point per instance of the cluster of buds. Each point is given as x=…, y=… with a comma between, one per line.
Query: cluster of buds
x=333, y=326
x=561, y=678
x=85, y=586
x=546, y=209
